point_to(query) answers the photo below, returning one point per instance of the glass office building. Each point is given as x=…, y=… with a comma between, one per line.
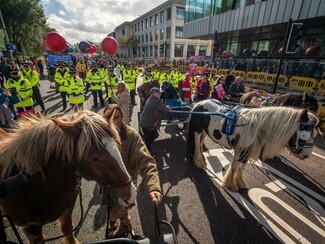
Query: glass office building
x=255, y=24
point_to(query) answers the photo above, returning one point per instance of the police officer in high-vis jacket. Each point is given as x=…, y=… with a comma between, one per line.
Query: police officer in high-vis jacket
x=95, y=79
x=61, y=77
x=32, y=76
x=111, y=83
x=21, y=89
x=75, y=91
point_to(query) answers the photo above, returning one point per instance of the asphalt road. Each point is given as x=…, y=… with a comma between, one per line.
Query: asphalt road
x=285, y=201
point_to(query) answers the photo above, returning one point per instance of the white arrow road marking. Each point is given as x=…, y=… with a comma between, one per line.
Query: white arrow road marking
x=219, y=158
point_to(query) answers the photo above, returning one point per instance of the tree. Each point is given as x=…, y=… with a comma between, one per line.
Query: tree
x=129, y=43
x=25, y=22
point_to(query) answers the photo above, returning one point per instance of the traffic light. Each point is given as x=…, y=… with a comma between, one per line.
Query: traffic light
x=162, y=48
x=294, y=36
x=216, y=44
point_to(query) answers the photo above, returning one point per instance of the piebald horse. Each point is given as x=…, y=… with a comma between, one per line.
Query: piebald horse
x=259, y=133
x=57, y=152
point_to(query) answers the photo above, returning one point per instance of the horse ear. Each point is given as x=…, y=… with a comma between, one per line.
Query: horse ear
x=67, y=127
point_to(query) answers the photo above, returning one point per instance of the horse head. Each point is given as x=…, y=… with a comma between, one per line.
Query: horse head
x=301, y=144
x=309, y=101
x=97, y=156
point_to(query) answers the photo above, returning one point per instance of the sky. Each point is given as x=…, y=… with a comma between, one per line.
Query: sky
x=92, y=20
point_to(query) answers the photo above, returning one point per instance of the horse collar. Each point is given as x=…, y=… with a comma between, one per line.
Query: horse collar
x=230, y=122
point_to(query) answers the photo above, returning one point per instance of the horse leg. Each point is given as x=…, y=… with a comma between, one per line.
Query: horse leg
x=197, y=159
x=203, y=135
x=34, y=234
x=229, y=181
x=239, y=176
x=66, y=226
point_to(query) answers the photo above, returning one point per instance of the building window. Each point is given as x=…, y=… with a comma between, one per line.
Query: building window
x=179, y=50
x=139, y=26
x=169, y=14
x=156, y=19
x=180, y=13
x=147, y=24
x=202, y=50
x=168, y=32
x=147, y=37
x=161, y=34
x=156, y=51
x=142, y=25
x=179, y=32
x=190, y=51
x=142, y=37
x=123, y=31
x=151, y=36
x=156, y=35
x=198, y=9
x=151, y=52
x=151, y=21
x=162, y=17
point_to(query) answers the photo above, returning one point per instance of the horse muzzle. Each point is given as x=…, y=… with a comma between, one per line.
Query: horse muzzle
x=128, y=202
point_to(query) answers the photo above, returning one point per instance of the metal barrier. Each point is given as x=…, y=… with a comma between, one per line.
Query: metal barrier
x=302, y=83
x=321, y=87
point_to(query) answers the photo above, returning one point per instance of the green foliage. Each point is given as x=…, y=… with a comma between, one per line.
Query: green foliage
x=128, y=42
x=25, y=22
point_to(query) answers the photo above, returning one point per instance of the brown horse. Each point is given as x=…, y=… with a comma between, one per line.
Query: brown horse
x=297, y=100
x=57, y=152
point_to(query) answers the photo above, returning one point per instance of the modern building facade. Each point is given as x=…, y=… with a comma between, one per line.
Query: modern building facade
x=255, y=24
x=160, y=34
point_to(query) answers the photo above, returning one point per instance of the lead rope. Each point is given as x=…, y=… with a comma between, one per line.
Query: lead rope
x=80, y=221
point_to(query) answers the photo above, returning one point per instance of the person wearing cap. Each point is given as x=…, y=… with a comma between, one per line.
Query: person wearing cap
x=122, y=97
x=151, y=116
x=81, y=69
x=32, y=76
x=61, y=78
x=19, y=86
x=138, y=161
x=130, y=77
x=111, y=83
x=75, y=91
x=147, y=75
x=95, y=79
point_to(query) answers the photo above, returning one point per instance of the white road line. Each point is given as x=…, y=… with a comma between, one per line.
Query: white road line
x=316, y=154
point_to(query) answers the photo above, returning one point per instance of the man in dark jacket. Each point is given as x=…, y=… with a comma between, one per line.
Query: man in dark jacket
x=151, y=116
x=144, y=91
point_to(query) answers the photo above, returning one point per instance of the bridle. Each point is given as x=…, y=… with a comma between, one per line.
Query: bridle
x=299, y=141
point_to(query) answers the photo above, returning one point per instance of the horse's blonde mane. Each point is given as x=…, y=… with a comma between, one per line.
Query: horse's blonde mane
x=268, y=130
x=36, y=141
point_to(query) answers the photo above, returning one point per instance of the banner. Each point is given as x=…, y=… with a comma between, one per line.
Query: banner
x=53, y=58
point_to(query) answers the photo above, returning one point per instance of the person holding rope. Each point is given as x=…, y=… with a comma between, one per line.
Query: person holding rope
x=138, y=161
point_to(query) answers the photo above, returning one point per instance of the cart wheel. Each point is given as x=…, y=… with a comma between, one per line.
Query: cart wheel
x=181, y=126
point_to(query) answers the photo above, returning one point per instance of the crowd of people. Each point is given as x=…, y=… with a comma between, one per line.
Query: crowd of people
x=113, y=83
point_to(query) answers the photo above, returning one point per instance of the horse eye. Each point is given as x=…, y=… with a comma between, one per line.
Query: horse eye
x=95, y=159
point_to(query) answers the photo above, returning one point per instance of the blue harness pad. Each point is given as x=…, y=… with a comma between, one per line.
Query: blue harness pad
x=230, y=121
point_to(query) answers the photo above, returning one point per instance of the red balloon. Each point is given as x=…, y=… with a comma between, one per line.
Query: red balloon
x=93, y=48
x=312, y=51
x=109, y=45
x=56, y=42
